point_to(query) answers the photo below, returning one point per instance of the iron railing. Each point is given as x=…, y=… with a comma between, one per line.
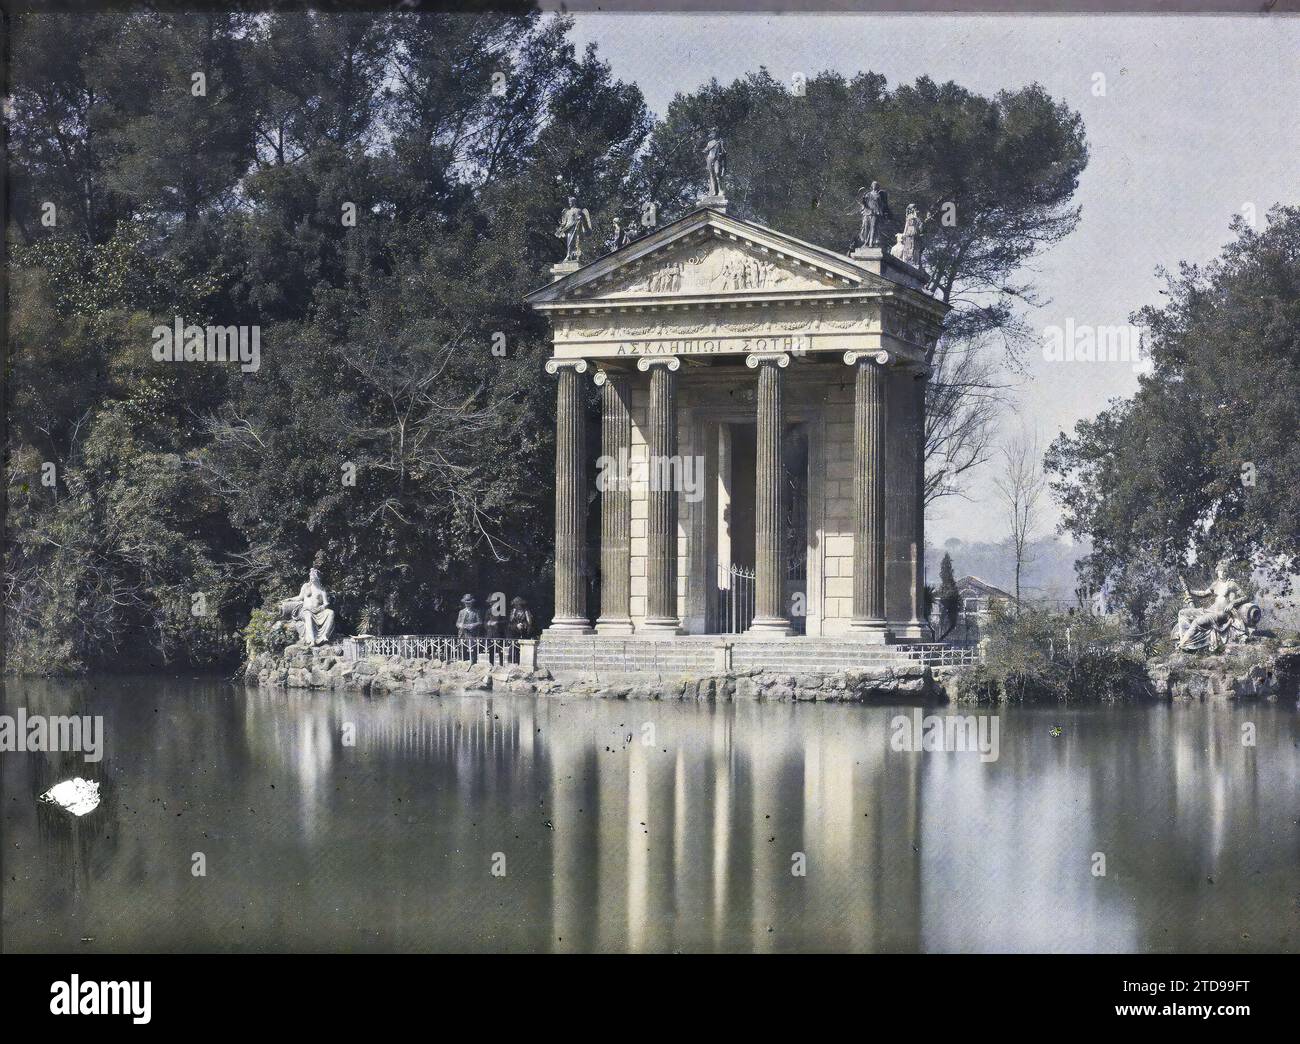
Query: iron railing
x=941, y=654
x=445, y=647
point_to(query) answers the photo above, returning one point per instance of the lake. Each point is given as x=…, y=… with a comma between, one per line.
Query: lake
x=330, y=822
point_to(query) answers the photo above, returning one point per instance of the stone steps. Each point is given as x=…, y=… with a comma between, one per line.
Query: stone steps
x=699, y=654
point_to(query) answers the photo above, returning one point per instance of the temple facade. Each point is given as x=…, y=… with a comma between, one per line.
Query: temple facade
x=761, y=467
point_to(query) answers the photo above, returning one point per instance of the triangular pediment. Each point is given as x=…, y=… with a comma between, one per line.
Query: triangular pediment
x=707, y=254
x=714, y=266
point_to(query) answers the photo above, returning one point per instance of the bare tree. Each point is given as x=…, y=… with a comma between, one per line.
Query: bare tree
x=964, y=400
x=1021, y=487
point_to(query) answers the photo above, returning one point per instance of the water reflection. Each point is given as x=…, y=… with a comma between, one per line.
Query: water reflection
x=342, y=823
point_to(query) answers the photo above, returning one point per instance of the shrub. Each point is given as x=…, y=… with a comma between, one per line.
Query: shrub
x=1036, y=656
x=267, y=633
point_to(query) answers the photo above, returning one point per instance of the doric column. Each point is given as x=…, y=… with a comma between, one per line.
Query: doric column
x=769, y=543
x=870, y=427
x=661, y=523
x=918, y=548
x=615, y=504
x=570, y=500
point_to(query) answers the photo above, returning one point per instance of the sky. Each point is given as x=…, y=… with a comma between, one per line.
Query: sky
x=1199, y=120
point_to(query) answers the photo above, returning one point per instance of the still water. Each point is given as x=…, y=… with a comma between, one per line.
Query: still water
x=644, y=826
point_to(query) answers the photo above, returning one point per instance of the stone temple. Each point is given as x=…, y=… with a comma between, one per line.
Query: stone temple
x=761, y=463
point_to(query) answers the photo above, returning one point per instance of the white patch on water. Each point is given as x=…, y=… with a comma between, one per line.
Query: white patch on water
x=77, y=796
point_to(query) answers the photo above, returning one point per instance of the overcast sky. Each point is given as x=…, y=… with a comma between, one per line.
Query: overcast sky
x=1199, y=118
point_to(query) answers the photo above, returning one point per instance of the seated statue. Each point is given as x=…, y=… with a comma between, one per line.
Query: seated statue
x=1230, y=616
x=310, y=611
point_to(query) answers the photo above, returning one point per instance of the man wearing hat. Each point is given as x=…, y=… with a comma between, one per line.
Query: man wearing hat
x=468, y=622
x=520, y=624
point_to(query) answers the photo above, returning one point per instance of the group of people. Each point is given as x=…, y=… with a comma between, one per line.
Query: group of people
x=471, y=624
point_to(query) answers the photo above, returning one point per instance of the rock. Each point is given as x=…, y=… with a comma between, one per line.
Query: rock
x=320, y=668
x=1242, y=672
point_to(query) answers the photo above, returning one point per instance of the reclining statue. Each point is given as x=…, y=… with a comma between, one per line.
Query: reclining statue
x=310, y=611
x=1230, y=617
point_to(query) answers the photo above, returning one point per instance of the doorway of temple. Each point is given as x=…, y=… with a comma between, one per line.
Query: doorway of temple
x=732, y=608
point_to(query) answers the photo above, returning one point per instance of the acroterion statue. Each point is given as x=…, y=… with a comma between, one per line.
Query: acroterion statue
x=874, y=204
x=907, y=247
x=575, y=222
x=715, y=156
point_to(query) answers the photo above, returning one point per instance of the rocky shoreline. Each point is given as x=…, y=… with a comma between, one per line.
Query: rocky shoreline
x=325, y=668
x=1246, y=673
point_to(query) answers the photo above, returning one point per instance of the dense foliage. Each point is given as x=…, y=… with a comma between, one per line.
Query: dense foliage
x=375, y=192
x=1038, y=656
x=1202, y=464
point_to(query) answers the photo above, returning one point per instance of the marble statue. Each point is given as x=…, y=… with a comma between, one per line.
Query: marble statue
x=907, y=245
x=469, y=623
x=310, y=611
x=623, y=234
x=715, y=154
x=874, y=204
x=575, y=222
x=1230, y=616
x=520, y=621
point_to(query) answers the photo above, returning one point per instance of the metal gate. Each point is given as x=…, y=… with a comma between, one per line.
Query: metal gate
x=734, y=604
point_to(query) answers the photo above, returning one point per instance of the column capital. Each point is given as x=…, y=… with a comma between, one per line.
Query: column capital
x=605, y=374
x=554, y=366
x=755, y=359
x=671, y=361
x=880, y=356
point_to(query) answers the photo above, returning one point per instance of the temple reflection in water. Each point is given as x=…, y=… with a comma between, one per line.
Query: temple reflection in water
x=609, y=842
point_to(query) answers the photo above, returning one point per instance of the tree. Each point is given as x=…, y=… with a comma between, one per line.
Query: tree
x=1202, y=462
x=1020, y=488
x=949, y=597
x=377, y=210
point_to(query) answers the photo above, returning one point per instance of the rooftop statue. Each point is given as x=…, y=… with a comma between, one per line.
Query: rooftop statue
x=907, y=246
x=715, y=156
x=575, y=222
x=874, y=204
x=623, y=234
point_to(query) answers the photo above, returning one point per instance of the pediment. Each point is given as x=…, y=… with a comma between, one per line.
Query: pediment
x=705, y=255
x=715, y=266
